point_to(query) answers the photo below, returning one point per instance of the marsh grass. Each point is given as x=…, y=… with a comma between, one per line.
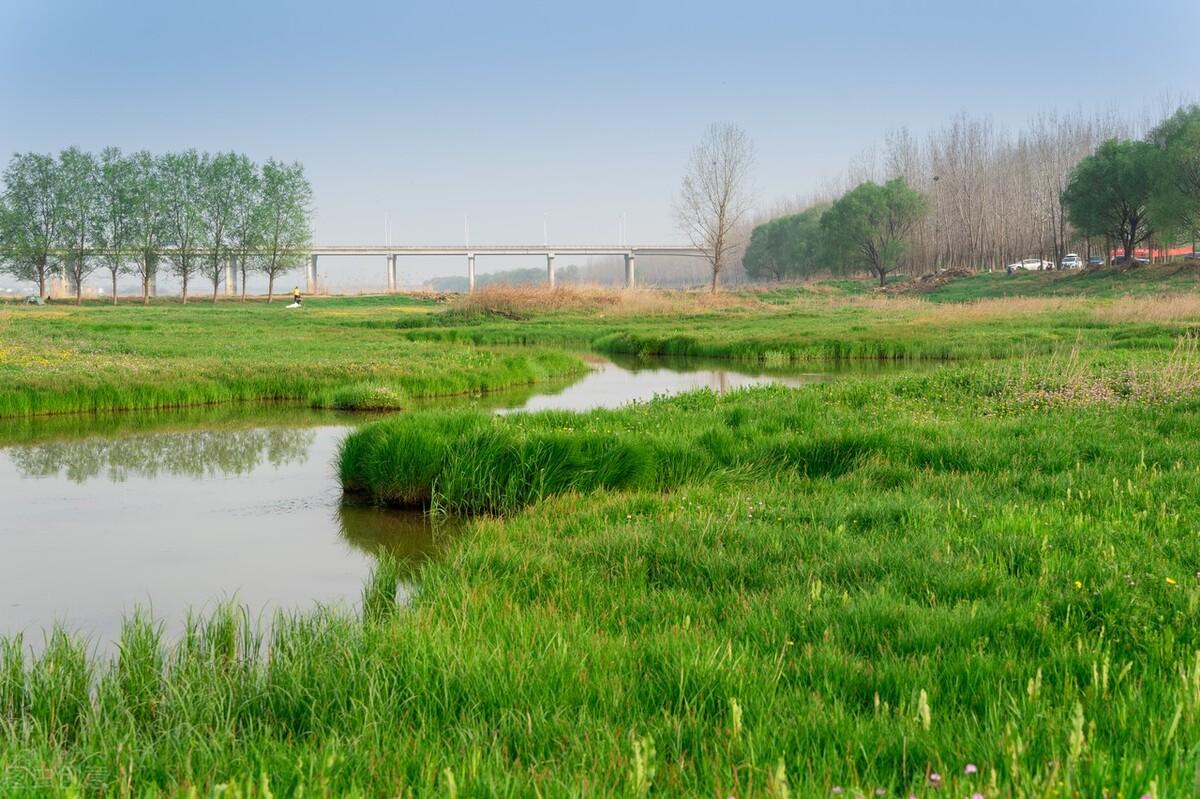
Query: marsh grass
x=912, y=587
x=465, y=462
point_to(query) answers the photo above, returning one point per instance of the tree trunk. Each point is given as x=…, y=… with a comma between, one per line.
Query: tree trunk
x=114, y=274
x=215, y=285
x=145, y=288
x=185, y=277
x=243, y=278
x=79, y=292
x=882, y=278
x=270, y=286
x=42, y=283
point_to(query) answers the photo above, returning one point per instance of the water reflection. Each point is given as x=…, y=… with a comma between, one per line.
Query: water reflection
x=410, y=536
x=200, y=453
x=233, y=416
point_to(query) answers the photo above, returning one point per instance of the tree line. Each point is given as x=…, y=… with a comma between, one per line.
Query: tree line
x=78, y=212
x=970, y=198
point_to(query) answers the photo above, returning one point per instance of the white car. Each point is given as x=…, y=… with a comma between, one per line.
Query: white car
x=1030, y=265
x=1072, y=261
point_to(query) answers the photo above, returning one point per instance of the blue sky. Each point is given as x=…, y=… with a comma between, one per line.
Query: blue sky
x=515, y=113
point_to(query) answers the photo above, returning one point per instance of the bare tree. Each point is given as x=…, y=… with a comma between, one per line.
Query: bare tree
x=715, y=197
x=993, y=196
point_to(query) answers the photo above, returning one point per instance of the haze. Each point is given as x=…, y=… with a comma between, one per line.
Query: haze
x=532, y=117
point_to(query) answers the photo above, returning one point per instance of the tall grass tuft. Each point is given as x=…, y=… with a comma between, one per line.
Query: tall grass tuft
x=380, y=599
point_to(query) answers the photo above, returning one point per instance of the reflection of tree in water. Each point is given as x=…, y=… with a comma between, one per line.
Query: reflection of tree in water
x=192, y=454
x=407, y=535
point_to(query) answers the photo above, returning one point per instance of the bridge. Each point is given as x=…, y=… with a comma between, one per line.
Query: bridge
x=470, y=251
x=391, y=252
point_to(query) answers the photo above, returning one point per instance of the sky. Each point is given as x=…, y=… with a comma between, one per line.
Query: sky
x=565, y=117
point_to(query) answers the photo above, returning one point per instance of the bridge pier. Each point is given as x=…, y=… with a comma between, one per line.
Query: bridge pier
x=630, y=267
x=550, y=269
x=310, y=276
x=470, y=273
x=391, y=266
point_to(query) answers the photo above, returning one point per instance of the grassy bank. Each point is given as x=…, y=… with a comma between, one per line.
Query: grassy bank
x=977, y=572
x=1102, y=283
x=383, y=352
x=332, y=353
x=782, y=327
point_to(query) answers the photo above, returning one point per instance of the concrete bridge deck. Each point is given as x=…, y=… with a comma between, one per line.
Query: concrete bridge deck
x=391, y=252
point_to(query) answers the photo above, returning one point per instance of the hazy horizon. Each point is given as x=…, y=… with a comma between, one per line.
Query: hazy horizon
x=547, y=117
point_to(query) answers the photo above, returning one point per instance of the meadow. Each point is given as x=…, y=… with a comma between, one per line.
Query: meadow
x=331, y=354
x=980, y=579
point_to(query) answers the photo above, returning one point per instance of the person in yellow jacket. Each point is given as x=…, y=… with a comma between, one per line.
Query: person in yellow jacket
x=296, y=298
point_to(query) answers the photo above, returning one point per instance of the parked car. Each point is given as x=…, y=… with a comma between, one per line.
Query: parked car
x=1096, y=260
x=1121, y=260
x=1029, y=265
x=1072, y=261
x=1192, y=256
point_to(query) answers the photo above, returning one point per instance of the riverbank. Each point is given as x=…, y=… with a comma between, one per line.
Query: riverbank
x=383, y=352
x=791, y=326
x=328, y=354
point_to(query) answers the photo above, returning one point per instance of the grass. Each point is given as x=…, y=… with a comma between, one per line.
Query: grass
x=336, y=353
x=768, y=593
x=781, y=327
x=383, y=353
x=987, y=571
x=1102, y=283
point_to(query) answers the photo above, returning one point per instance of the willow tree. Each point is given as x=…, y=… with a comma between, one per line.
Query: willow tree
x=79, y=173
x=1109, y=193
x=182, y=183
x=117, y=195
x=30, y=217
x=785, y=247
x=869, y=226
x=221, y=179
x=1175, y=206
x=715, y=196
x=245, y=235
x=282, y=220
x=148, y=218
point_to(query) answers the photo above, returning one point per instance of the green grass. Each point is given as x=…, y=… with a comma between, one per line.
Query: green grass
x=382, y=353
x=1105, y=282
x=767, y=593
x=338, y=353
x=764, y=594
x=805, y=329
